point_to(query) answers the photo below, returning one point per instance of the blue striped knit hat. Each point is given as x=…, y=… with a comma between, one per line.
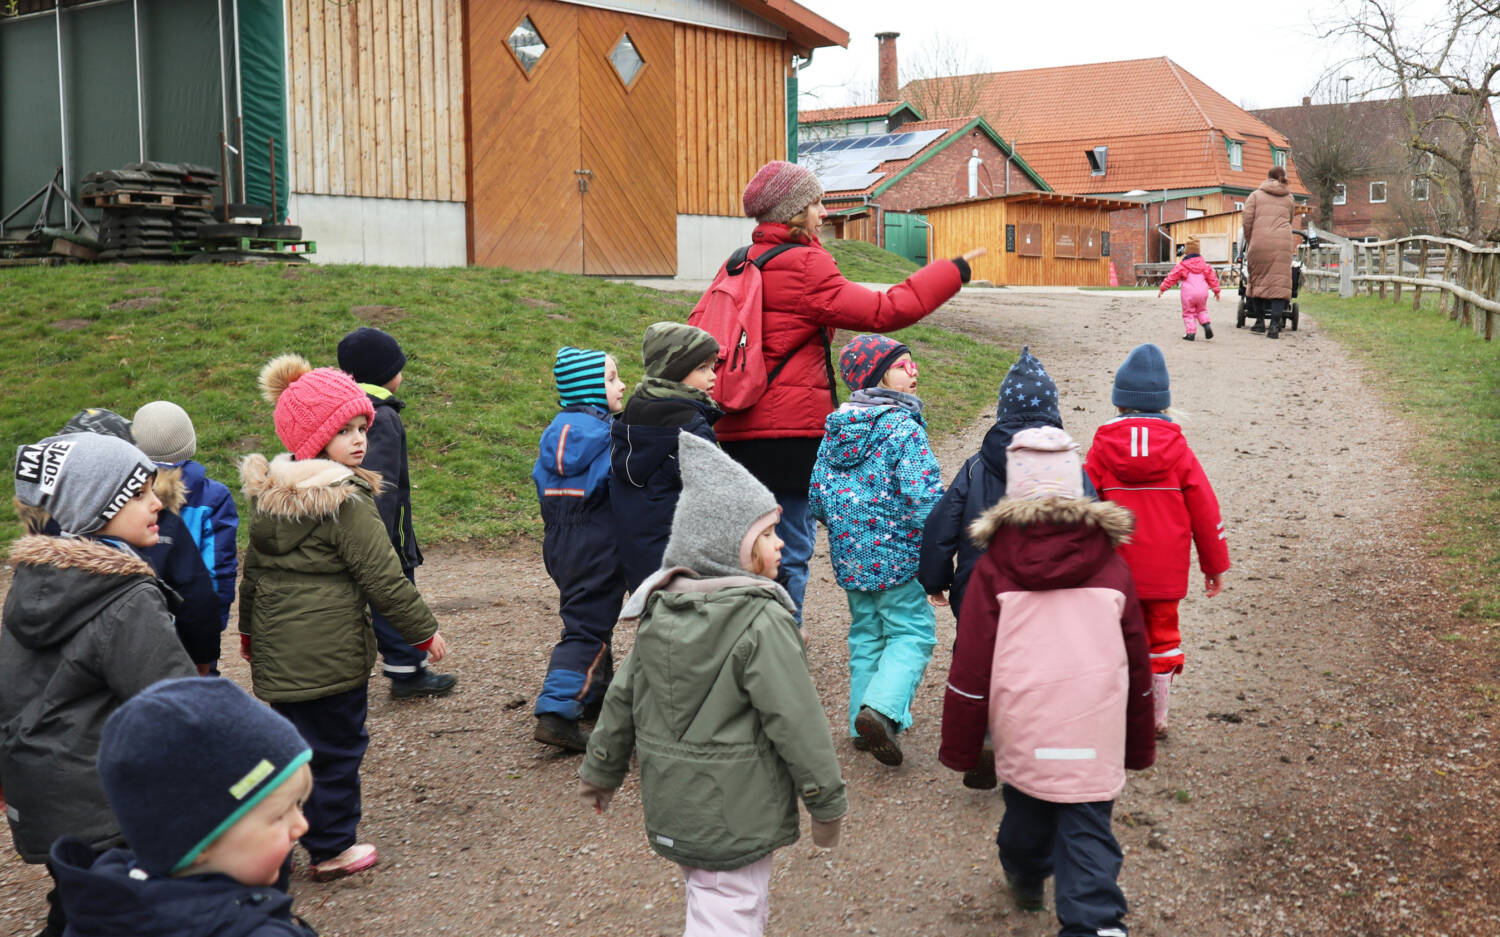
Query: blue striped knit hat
x=580, y=377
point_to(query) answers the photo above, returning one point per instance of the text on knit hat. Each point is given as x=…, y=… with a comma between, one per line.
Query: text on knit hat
x=81, y=479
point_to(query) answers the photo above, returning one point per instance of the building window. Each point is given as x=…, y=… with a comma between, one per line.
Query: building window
x=1419, y=189
x=1239, y=206
x=1340, y=194
x=1098, y=158
x=527, y=44
x=1236, y=150
x=1377, y=192
x=1278, y=157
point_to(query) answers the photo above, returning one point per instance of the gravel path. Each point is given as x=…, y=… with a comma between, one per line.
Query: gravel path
x=1331, y=768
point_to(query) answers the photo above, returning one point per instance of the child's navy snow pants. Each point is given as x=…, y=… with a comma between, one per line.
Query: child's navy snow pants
x=334, y=727
x=579, y=551
x=1074, y=842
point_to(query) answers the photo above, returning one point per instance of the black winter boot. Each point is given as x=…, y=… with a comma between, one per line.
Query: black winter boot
x=1208, y=331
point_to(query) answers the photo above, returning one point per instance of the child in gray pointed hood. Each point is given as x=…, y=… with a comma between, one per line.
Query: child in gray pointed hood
x=716, y=701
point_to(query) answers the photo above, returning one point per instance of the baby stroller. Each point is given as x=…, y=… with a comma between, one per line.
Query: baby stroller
x=1259, y=308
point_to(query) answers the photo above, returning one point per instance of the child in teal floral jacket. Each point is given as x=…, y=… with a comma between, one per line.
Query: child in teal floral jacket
x=873, y=485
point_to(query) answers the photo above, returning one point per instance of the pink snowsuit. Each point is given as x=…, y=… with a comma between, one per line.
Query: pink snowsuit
x=1197, y=278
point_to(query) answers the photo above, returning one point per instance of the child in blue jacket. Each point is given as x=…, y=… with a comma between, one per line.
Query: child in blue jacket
x=673, y=397
x=578, y=544
x=873, y=484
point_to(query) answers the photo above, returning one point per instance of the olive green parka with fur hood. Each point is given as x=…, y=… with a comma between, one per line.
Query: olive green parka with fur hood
x=318, y=555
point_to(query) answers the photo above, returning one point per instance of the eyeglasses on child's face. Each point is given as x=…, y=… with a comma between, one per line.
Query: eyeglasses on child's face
x=907, y=365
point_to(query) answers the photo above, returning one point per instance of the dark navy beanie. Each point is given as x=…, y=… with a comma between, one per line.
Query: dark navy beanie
x=183, y=760
x=1028, y=395
x=1141, y=383
x=371, y=356
x=864, y=361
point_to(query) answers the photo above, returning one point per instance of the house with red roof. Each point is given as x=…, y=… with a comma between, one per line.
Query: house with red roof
x=1144, y=129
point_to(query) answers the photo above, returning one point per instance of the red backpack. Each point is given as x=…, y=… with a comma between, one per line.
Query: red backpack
x=731, y=312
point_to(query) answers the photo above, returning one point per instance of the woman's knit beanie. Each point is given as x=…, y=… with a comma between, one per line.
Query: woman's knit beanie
x=671, y=350
x=1042, y=462
x=1028, y=394
x=183, y=760
x=1142, y=383
x=780, y=191
x=579, y=374
x=312, y=405
x=864, y=361
x=720, y=513
x=81, y=479
x=164, y=431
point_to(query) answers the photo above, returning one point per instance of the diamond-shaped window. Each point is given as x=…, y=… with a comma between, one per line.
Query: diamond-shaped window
x=527, y=44
x=626, y=60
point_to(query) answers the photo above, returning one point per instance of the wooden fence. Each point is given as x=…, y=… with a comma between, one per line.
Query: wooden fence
x=1467, y=278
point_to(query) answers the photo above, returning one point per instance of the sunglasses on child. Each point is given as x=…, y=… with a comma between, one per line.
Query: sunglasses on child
x=909, y=366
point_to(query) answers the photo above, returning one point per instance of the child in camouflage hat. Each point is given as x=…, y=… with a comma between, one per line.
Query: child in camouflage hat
x=673, y=397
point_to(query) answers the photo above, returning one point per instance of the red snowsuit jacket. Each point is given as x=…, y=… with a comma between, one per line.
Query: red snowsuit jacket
x=1144, y=463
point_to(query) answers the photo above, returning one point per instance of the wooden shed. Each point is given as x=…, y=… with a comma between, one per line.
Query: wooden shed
x=1034, y=238
x=1217, y=235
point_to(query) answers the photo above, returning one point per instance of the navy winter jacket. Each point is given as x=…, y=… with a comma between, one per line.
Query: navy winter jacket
x=386, y=454
x=977, y=487
x=213, y=520
x=101, y=899
x=646, y=479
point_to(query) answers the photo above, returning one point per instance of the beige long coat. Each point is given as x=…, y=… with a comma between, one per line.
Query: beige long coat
x=1267, y=223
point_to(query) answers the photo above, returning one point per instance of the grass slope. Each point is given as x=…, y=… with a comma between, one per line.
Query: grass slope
x=863, y=262
x=1447, y=382
x=478, y=382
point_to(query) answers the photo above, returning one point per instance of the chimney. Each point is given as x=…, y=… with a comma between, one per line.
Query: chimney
x=889, y=82
x=1306, y=101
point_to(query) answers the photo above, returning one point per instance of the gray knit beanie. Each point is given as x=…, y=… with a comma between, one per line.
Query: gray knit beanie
x=81, y=479
x=721, y=510
x=164, y=431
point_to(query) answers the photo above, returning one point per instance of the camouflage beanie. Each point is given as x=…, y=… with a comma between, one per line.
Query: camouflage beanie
x=671, y=350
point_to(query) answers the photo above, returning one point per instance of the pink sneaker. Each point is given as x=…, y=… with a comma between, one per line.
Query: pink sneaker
x=1161, y=686
x=356, y=858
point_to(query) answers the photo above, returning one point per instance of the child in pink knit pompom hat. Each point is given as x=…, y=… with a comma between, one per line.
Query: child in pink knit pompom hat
x=312, y=405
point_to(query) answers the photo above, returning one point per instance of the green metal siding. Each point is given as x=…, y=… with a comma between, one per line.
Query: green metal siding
x=30, y=132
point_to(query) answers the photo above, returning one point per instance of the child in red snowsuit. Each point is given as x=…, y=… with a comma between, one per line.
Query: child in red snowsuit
x=1197, y=279
x=1141, y=460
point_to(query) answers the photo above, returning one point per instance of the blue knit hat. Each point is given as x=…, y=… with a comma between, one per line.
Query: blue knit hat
x=1142, y=383
x=580, y=377
x=1028, y=395
x=864, y=361
x=184, y=760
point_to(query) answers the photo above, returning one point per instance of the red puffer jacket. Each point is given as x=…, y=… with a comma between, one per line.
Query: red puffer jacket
x=804, y=292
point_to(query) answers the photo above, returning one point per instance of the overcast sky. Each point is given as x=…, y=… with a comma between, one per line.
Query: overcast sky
x=1261, y=53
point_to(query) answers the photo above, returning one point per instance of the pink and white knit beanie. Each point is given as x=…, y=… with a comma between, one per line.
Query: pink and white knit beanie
x=1042, y=463
x=312, y=405
x=779, y=191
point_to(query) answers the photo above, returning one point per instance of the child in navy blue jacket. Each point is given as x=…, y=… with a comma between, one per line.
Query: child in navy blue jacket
x=673, y=397
x=375, y=360
x=1028, y=399
x=578, y=544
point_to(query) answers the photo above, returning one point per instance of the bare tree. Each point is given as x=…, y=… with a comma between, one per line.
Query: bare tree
x=1454, y=64
x=1327, y=150
x=945, y=79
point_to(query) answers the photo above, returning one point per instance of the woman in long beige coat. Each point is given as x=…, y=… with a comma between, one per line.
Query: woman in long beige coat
x=1267, y=223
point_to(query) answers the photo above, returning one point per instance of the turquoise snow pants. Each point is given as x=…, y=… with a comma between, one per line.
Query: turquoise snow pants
x=891, y=638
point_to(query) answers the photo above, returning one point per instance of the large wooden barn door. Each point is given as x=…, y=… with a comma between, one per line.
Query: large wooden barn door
x=525, y=208
x=627, y=81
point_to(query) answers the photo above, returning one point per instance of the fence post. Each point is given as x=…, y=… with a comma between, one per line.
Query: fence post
x=1346, y=270
x=1381, y=271
x=1400, y=250
x=1416, y=293
x=1447, y=304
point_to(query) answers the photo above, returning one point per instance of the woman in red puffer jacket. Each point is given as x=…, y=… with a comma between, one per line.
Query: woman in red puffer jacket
x=805, y=299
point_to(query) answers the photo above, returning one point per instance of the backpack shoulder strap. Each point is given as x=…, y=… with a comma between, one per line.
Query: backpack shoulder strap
x=776, y=251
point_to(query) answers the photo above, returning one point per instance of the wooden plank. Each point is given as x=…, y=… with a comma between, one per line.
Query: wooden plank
x=317, y=97
x=301, y=99
x=396, y=32
x=380, y=126
x=364, y=135
x=441, y=166
x=411, y=42
x=457, y=102
x=428, y=68
x=333, y=95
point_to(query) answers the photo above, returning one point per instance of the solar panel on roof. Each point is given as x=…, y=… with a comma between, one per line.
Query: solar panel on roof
x=844, y=144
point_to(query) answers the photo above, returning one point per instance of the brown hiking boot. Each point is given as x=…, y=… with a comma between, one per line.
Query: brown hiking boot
x=880, y=734
x=552, y=729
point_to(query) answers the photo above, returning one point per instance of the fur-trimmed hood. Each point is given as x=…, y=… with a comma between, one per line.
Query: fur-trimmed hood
x=1117, y=522
x=63, y=583
x=313, y=489
x=1051, y=543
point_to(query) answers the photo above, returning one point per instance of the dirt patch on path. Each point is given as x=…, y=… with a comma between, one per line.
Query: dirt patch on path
x=1331, y=768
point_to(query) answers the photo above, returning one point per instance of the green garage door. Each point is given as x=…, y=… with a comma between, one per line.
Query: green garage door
x=906, y=234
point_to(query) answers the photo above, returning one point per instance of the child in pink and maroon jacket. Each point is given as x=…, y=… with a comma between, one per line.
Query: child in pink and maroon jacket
x=1197, y=278
x=1051, y=659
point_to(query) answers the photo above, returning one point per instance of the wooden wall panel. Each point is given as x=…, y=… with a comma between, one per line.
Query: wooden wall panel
x=377, y=98
x=731, y=115
x=957, y=228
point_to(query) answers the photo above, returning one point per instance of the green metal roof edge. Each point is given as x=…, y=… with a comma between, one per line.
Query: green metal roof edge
x=979, y=122
x=1155, y=195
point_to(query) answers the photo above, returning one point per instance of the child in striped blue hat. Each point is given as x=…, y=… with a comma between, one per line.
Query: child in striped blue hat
x=578, y=544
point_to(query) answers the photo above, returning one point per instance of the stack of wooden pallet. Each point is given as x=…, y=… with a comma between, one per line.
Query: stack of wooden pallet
x=149, y=206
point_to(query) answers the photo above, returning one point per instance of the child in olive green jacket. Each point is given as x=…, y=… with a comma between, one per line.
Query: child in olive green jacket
x=717, y=702
x=319, y=555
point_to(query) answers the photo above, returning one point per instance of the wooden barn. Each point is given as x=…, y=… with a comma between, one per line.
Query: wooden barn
x=1034, y=238
x=599, y=136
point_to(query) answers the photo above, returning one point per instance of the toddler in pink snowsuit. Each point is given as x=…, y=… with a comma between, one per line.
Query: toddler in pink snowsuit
x=1197, y=278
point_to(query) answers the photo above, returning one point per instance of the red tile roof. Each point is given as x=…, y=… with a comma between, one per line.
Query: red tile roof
x=829, y=115
x=1164, y=128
